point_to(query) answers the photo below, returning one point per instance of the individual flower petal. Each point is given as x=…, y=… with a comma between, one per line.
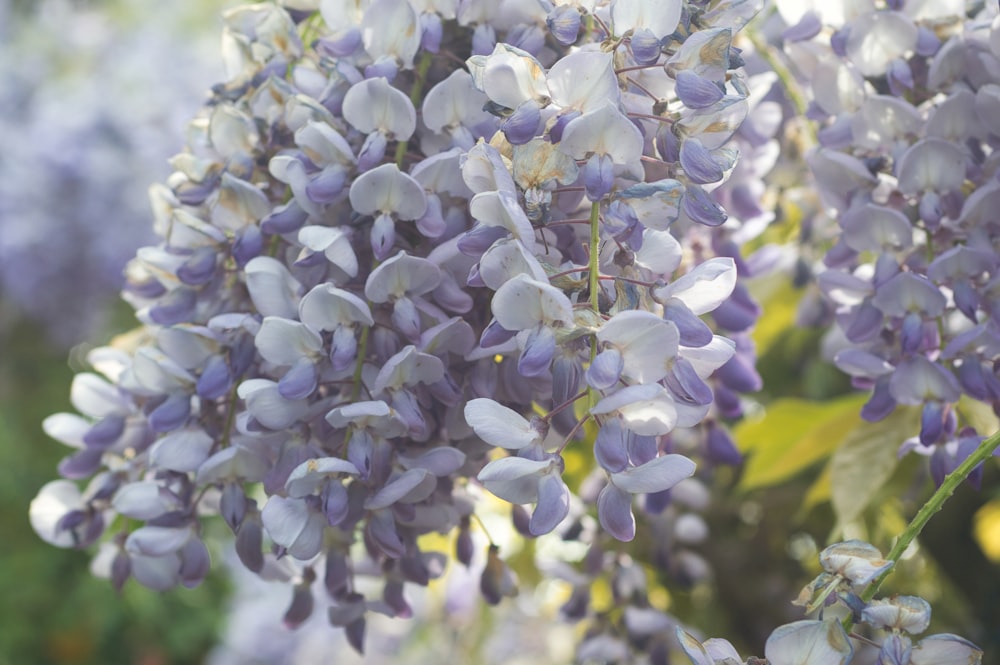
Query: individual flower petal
x=291, y=524
x=499, y=426
x=53, y=502
x=272, y=288
x=509, y=76
x=856, y=561
x=614, y=511
x=813, y=642
x=514, y=479
x=284, y=342
x=659, y=474
x=583, y=80
x=553, y=505
x=932, y=164
x=307, y=477
x=374, y=105
x=144, y=500
x=908, y=613
x=660, y=18
x=945, y=649
x=647, y=409
x=704, y=287
x=522, y=303
x=388, y=190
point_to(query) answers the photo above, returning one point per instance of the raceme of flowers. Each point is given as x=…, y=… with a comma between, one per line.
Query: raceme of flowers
x=848, y=568
x=411, y=251
x=908, y=96
x=98, y=146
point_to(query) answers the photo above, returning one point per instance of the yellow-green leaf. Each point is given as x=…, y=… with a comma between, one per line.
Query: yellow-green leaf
x=866, y=460
x=979, y=415
x=793, y=435
x=819, y=492
x=780, y=302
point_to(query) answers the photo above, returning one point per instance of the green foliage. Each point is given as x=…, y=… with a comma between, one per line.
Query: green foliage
x=865, y=461
x=793, y=435
x=54, y=611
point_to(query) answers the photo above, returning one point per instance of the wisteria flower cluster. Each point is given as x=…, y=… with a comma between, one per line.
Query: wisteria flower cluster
x=405, y=237
x=848, y=569
x=907, y=95
x=78, y=156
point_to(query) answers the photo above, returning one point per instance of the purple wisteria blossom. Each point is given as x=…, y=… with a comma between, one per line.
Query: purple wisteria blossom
x=385, y=282
x=904, y=165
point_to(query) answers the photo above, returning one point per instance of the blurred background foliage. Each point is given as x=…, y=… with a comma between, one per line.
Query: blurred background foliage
x=814, y=470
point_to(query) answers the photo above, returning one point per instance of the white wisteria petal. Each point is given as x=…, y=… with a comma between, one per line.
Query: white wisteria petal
x=878, y=38
x=484, y=169
x=91, y=395
x=945, y=649
x=374, y=105
x=284, y=342
x=292, y=525
x=506, y=259
x=408, y=367
x=326, y=307
x=584, y=81
x=335, y=244
x=308, y=477
x=655, y=204
x=705, y=287
x=876, y=228
x=647, y=410
x=931, y=165
x=181, y=450
x=509, y=76
x=656, y=475
x=375, y=415
x=391, y=28
x=660, y=254
x=267, y=406
x=67, y=428
x=500, y=426
x=813, y=642
x=386, y=189
x=54, y=500
x=514, y=479
x=500, y=208
x=235, y=461
x=157, y=541
x=523, y=303
x=646, y=342
x=538, y=164
x=603, y=131
x=144, y=500
x=706, y=359
x=659, y=17
x=272, y=288
x=452, y=102
x=410, y=486
x=401, y=275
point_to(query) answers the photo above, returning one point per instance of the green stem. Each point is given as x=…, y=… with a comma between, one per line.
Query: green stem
x=415, y=92
x=595, y=282
x=933, y=505
x=929, y=509
x=792, y=89
x=359, y=364
x=595, y=252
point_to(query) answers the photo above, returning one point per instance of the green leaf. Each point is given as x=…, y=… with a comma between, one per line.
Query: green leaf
x=779, y=300
x=978, y=415
x=793, y=435
x=866, y=460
